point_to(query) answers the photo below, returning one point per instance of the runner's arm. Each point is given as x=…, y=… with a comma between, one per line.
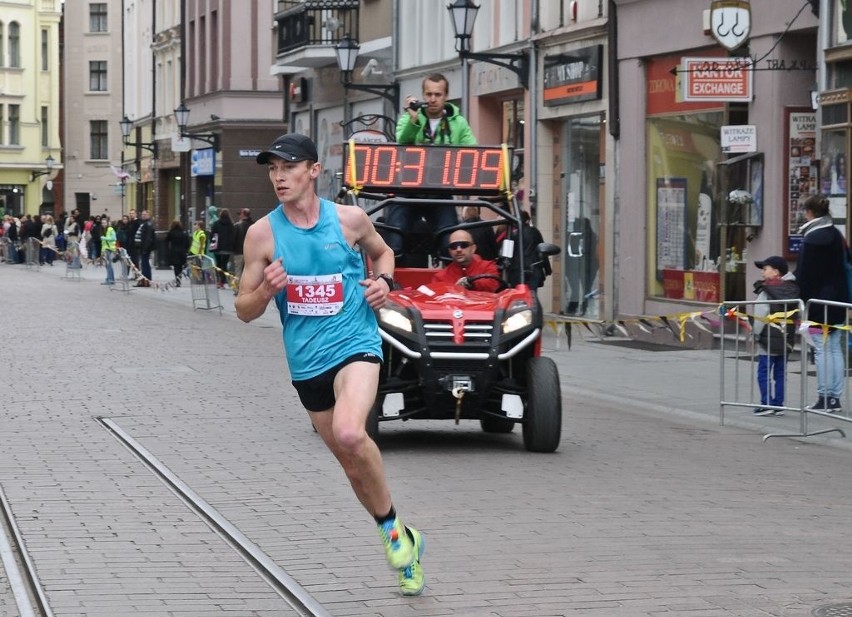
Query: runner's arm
x=262, y=278
x=381, y=255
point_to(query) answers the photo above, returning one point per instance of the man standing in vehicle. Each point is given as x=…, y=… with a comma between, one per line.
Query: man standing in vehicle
x=305, y=255
x=436, y=122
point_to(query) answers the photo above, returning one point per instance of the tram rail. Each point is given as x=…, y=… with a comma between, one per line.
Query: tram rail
x=282, y=583
x=21, y=573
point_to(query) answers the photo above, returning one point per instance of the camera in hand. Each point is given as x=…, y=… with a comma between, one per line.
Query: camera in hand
x=416, y=105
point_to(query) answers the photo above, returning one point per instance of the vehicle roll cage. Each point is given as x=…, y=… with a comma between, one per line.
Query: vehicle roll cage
x=511, y=216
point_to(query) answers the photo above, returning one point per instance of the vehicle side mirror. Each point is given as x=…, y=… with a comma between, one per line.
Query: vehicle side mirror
x=547, y=249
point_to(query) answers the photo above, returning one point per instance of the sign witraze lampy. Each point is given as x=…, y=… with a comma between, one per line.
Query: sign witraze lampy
x=730, y=22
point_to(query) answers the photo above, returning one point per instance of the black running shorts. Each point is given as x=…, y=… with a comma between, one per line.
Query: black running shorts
x=317, y=393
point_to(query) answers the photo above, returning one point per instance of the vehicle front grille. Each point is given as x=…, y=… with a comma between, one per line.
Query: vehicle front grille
x=440, y=334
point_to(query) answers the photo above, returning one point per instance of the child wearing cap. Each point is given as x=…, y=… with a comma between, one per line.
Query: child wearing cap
x=773, y=331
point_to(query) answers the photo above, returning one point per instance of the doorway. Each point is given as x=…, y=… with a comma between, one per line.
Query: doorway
x=582, y=183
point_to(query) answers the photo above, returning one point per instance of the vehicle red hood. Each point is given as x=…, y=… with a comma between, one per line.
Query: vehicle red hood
x=446, y=299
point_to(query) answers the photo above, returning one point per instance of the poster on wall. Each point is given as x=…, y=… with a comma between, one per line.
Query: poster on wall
x=841, y=17
x=329, y=139
x=802, y=172
x=671, y=224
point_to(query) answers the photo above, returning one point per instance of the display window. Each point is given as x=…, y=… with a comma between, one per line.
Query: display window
x=682, y=151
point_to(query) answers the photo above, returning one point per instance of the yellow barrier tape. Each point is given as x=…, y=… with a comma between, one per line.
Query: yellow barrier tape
x=506, y=175
x=353, y=169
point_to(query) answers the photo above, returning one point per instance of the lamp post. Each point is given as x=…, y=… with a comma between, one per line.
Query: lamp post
x=182, y=116
x=463, y=15
x=347, y=54
x=126, y=126
x=48, y=162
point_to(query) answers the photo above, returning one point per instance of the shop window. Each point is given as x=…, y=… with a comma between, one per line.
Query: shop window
x=683, y=213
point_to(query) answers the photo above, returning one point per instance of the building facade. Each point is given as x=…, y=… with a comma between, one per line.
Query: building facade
x=30, y=151
x=140, y=62
x=693, y=211
x=92, y=78
x=622, y=139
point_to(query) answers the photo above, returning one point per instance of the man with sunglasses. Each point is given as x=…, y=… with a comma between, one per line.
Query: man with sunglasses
x=467, y=264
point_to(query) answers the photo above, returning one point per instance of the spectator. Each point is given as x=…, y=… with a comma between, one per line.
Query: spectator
x=467, y=264
x=72, y=230
x=212, y=217
x=122, y=230
x=534, y=272
x=821, y=275
x=107, y=237
x=222, y=244
x=199, y=239
x=483, y=237
x=177, y=246
x=242, y=226
x=775, y=341
x=11, y=231
x=95, y=232
x=48, y=241
x=143, y=240
x=132, y=227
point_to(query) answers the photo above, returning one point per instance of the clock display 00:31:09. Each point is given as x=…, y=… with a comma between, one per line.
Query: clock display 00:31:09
x=425, y=167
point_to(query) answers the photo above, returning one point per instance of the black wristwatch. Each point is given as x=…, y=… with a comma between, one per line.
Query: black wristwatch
x=387, y=278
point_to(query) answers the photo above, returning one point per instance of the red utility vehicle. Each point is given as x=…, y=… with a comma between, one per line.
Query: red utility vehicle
x=451, y=353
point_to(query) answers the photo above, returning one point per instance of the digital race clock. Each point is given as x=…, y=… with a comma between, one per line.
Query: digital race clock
x=397, y=168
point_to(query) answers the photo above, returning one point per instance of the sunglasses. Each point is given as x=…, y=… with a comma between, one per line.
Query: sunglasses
x=454, y=246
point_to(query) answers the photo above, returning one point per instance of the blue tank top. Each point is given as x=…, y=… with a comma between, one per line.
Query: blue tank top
x=322, y=270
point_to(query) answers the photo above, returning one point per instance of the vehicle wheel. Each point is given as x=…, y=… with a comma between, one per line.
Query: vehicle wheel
x=543, y=422
x=373, y=418
x=496, y=425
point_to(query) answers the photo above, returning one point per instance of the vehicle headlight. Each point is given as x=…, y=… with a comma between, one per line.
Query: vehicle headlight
x=521, y=319
x=395, y=319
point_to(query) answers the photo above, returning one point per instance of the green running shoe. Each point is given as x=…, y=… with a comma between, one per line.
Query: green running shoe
x=399, y=548
x=412, y=579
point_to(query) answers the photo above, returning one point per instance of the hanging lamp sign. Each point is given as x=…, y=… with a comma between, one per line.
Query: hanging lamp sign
x=730, y=22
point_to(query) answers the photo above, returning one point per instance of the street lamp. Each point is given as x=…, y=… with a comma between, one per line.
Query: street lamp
x=126, y=125
x=463, y=14
x=48, y=162
x=182, y=115
x=347, y=55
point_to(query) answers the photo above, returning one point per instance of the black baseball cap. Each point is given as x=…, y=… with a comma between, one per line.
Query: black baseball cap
x=779, y=263
x=290, y=147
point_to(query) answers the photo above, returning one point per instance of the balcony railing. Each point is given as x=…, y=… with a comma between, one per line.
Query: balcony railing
x=315, y=22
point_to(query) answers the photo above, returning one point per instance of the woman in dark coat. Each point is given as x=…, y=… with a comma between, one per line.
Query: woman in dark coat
x=177, y=246
x=821, y=275
x=224, y=235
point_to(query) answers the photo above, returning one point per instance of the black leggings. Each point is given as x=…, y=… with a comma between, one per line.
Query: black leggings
x=222, y=265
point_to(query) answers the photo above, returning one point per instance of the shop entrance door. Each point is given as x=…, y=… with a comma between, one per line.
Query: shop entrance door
x=582, y=185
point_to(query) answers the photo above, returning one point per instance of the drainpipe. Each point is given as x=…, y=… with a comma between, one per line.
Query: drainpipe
x=532, y=130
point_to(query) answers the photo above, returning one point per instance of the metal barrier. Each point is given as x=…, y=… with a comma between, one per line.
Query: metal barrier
x=73, y=262
x=10, y=251
x=740, y=353
x=121, y=266
x=32, y=248
x=203, y=282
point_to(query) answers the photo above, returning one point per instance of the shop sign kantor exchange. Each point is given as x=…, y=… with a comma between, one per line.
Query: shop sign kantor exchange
x=716, y=79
